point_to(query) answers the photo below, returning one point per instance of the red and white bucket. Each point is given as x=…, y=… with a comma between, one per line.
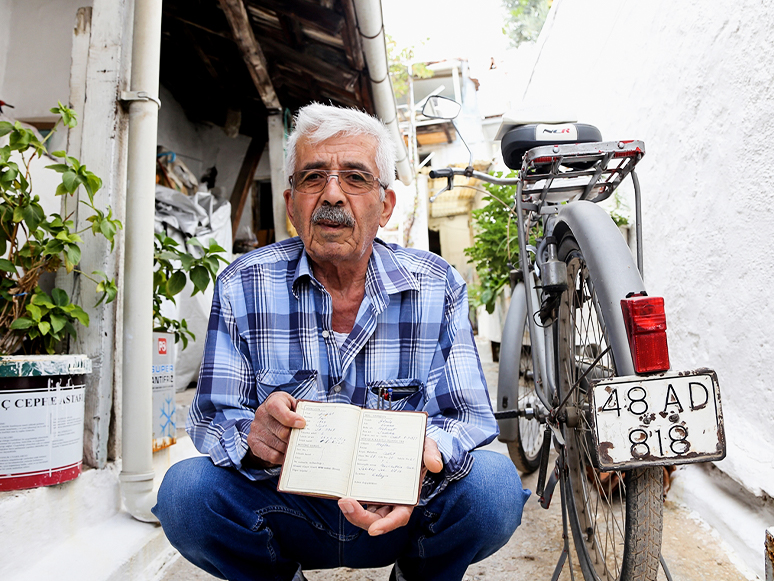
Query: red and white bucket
x=41, y=419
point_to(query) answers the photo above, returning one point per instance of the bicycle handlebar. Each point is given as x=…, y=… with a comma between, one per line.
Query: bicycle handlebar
x=447, y=172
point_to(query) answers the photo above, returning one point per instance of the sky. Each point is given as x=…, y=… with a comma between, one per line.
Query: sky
x=470, y=29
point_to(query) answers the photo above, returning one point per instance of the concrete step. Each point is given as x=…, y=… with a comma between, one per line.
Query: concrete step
x=79, y=530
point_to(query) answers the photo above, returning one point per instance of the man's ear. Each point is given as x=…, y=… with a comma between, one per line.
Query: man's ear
x=388, y=205
x=287, y=194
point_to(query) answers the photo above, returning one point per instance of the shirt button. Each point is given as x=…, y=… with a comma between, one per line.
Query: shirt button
x=336, y=388
x=325, y=334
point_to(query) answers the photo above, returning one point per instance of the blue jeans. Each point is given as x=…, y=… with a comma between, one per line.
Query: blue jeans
x=238, y=529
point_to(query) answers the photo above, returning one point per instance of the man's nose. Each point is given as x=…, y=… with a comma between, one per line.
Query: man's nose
x=333, y=189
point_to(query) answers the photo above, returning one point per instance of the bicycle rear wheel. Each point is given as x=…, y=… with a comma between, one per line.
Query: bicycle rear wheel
x=616, y=517
x=525, y=449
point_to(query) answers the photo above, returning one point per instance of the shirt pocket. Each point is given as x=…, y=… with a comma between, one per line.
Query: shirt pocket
x=300, y=383
x=407, y=394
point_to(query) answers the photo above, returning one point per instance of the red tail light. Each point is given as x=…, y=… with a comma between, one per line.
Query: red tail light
x=645, y=321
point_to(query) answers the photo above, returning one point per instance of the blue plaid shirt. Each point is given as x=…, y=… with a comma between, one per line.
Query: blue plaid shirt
x=270, y=328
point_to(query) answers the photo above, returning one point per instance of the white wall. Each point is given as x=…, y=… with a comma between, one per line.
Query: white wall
x=32, y=79
x=692, y=79
x=200, y=145
x=6, y=14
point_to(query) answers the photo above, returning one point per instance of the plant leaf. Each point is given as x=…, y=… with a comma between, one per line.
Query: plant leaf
x=58, y=322
x=60, y=297
x=176, y=283
x=70, y=180
x=73, y=255
x=35, y=311
x=200, y=278
x=22, y=323
x=78, y=313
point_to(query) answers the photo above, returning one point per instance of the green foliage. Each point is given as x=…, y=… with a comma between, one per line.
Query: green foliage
x=525, y=19
x=496, y=245
x=174, y=267
x=620, y=211
x=32, y=243
x=399, y=60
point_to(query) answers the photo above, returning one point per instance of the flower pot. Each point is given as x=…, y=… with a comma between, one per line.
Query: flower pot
x=41, y=419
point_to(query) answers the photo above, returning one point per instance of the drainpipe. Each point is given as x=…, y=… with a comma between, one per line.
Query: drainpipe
x=371, y=28
x=137, y=404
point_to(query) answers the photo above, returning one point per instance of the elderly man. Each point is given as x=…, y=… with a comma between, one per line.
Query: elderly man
x=335, y=315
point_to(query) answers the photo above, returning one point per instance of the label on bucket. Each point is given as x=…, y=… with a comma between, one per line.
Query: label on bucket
x=41, y=429
x=163, y=378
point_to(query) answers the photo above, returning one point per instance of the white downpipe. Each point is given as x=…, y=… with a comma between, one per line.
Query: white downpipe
x=137, y=403
x=371, y=27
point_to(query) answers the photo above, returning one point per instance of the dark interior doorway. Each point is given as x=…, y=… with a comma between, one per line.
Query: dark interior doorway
x=263, y=213
x=434, y=240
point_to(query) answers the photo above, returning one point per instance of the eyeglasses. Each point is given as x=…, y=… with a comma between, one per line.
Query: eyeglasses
x=351, y=181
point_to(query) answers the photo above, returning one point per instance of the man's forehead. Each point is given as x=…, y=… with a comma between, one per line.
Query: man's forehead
x=346, y=152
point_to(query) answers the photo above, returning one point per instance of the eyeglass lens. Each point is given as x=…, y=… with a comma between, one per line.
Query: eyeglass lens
x=350, y=181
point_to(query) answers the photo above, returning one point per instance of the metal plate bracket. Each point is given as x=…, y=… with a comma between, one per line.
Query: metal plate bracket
x=129, y=96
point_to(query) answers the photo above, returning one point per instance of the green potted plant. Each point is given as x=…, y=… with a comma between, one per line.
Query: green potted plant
x=42, y=391
x=174, y=267
x=32, y=244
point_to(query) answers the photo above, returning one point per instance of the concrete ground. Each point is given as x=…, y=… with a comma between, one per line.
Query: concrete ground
x=691, y=550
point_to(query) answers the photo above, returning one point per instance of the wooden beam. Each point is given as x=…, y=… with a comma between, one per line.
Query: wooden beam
x=307, y=13
x=251, y=51
x=200, y=52
x=245, y=181
x=175, y=16
x=291, y=28
x=364, y=91
x=352, y=37
x=309, y=64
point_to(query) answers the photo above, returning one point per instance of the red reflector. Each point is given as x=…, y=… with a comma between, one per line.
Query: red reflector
x=543, y=160
x=630, y=153
x=645, y=322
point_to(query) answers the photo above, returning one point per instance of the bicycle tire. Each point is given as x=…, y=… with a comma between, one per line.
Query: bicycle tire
x=616, y=517
x=525, y=449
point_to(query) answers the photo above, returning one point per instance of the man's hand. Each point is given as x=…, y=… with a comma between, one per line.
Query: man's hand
x=383, y=518
x=270, y=430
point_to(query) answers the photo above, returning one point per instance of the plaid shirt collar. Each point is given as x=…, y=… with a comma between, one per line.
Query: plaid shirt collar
x=385, y=275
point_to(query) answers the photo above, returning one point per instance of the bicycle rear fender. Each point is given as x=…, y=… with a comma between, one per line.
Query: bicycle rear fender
x=510, y=356
x=611, y=265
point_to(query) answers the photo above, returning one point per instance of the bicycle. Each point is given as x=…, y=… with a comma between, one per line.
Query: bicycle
x=584, y=360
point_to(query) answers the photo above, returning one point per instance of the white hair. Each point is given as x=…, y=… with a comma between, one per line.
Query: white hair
x=317, y=122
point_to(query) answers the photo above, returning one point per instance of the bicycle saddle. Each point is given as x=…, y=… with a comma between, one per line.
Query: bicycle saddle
x=518, y=139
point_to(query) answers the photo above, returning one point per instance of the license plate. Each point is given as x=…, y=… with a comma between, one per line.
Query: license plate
x=669, y=418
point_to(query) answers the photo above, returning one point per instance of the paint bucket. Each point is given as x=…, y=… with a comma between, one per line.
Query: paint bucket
x=41, y=419
x=163, y=378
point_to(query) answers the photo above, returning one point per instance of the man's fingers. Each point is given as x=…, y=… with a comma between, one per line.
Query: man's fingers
x=397, y=517
x=431, y=457
x=356, y=514
x=270, y=429
x=383, y=519
x=268, y=454
x=281, y=406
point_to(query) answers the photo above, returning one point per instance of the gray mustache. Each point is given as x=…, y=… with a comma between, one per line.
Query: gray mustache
x=335, y=214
